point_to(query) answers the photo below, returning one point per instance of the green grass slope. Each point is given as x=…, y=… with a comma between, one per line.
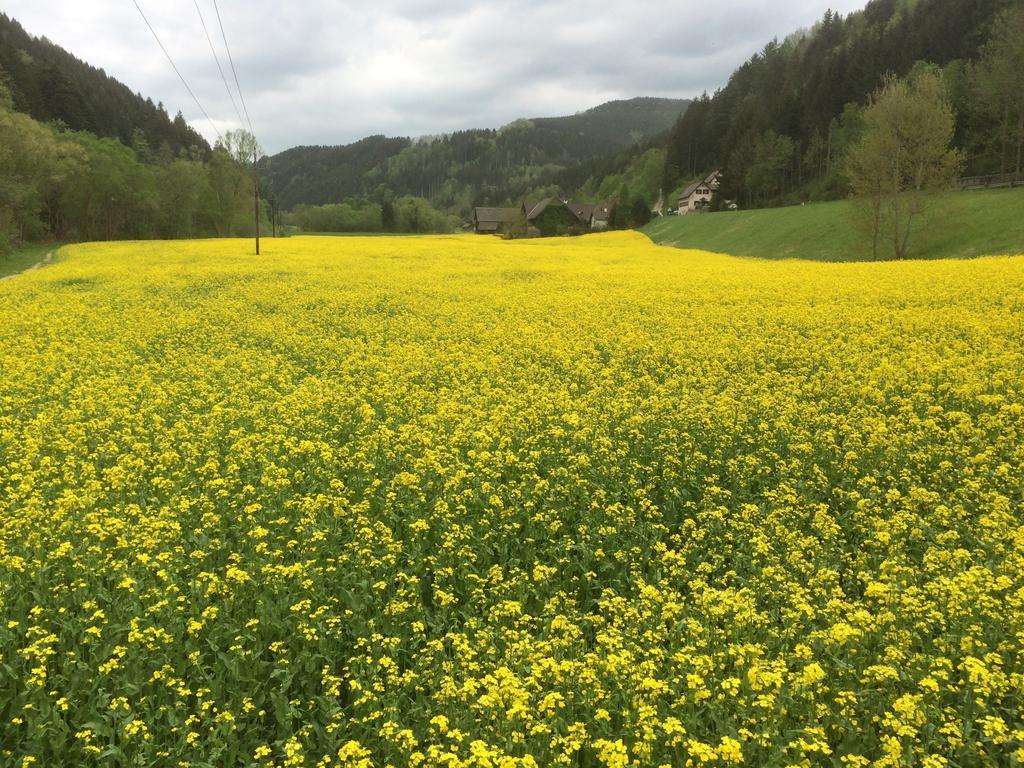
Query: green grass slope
x=22, y=258
x=962, y=225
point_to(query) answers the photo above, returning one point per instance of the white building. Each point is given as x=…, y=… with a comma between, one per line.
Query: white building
x=698, y=196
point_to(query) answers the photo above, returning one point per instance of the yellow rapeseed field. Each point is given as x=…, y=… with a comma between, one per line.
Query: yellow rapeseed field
x=460, y=502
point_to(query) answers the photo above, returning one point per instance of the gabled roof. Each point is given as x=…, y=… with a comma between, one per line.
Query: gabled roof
x=691, y=189
x=603, y=211
x=584, y=211
x=710, y=180
x=491, y=219
x=484, y=216
x=543, y=205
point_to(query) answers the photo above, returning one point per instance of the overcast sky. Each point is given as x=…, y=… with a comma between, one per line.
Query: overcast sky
x=331, y=72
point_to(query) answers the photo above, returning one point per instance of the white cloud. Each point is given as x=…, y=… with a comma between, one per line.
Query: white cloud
x=329, y=72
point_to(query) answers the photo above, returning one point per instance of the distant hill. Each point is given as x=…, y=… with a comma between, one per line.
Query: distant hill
x=50, y=84
x=610, y=127
x=317, y=174
x=469, y=167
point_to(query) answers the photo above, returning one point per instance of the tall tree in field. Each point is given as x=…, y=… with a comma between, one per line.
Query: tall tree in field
x=904, y=156
x=999, y=91
x=231, y=183
x=229, y=190
x=240, y=146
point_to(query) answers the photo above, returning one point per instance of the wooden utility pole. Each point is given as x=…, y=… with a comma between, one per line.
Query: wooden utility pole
x=256, y=196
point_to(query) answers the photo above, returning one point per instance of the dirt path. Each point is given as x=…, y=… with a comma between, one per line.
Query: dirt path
x=46, y=260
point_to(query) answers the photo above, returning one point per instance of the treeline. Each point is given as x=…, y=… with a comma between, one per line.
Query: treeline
x=403, y=215
x=52, y=86
x=73, y=185
x=781, y=127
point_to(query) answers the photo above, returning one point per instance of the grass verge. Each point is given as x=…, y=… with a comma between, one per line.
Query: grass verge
x=24, y=257
x=961, y=225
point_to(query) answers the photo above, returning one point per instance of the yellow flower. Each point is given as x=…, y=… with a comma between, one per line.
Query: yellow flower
x=136, y=728
x=730, y=751
x=353, y=755
x=612, y=754
x=586, y=497
x=812, y=673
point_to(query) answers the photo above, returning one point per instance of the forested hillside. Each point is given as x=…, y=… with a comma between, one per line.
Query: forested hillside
x=782, y=123
x=472, y=167
x=56, y=183
x=320, y=175
x=49, y=84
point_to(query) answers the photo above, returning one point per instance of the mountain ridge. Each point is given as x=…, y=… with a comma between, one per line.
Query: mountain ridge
x=474, y=166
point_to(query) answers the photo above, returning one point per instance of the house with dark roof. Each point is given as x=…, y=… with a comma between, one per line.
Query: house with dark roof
x=497, y=221
x=584, y=212
x=549, y=217
x=697, y=196
x=552, y=217
x=602, y=216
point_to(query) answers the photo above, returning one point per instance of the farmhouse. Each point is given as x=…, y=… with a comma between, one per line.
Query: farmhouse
x=602, y=216
x=547, y=218
x=496, y=221
x=698, y=196
x=584, y=212
x=552, y=216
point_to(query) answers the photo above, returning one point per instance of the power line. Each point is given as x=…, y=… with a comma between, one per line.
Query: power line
x=245, y=109
x=233, y=71
x=241, y=96
x=216, y=58
x=252, y=132
x=176, y=70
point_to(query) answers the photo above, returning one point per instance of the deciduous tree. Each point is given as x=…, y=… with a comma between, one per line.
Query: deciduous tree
x=904, y=156
x=31, y=162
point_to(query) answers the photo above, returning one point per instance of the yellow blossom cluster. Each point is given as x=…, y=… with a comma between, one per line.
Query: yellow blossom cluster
x=453, y=501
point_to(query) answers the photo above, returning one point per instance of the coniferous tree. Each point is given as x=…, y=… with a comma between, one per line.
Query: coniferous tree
x=640, y=212
x=998, y=81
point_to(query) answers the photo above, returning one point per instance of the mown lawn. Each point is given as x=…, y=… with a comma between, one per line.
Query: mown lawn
x=963, y=225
